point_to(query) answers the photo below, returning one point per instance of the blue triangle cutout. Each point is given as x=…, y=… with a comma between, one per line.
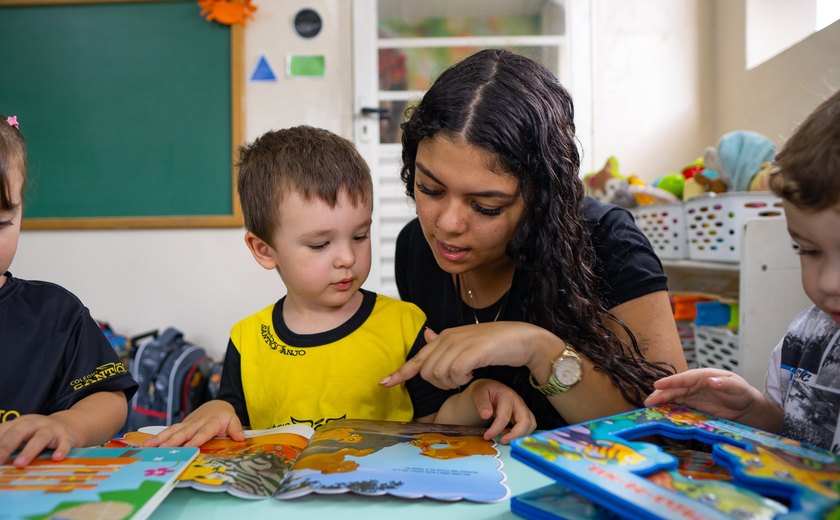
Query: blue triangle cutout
x=263, y=72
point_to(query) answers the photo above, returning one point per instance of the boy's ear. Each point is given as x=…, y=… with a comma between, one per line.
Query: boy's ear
x=262, y=250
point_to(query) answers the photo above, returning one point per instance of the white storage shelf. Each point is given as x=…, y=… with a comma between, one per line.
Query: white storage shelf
x=766, y=283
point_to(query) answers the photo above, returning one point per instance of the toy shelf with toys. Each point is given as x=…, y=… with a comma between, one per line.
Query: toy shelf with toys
x=734, y=249
x=758, y=275
x=722, y=239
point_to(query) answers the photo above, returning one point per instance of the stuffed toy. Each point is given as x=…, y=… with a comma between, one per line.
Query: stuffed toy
x=673, y=183
x=608, y=185
x=761, y=180
x=738, y=157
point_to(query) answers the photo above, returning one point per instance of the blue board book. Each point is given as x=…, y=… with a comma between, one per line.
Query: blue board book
x=557, y=502
x=674, y=462
x=92, y=483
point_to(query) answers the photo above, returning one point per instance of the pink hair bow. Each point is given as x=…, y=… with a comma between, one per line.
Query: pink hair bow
x=12, y=120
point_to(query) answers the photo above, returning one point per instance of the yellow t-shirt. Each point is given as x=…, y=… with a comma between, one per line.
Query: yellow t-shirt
x=289, y=378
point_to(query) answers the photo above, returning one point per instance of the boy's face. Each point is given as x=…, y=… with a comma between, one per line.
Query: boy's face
x=10, y=224
x=322, y=253
x=817, y=235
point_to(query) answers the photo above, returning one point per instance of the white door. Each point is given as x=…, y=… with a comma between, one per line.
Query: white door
x=401, y=46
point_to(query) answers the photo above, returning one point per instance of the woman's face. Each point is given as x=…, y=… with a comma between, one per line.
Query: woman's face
x=468, y=212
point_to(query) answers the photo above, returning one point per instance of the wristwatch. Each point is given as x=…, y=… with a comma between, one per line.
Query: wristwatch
x=566, y=371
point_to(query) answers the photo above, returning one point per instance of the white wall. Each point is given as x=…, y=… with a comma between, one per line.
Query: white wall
x=203, y=281
x=324, y=102
x=765, y=37
x=669, y=79
x=651, y=76
x=774, y=97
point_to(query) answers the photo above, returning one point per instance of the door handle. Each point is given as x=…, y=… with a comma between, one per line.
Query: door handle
x=382, y=112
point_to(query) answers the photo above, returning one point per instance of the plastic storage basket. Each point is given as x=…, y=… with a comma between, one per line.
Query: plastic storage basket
x=715, y=223
x=664, y=226
x=716, y=347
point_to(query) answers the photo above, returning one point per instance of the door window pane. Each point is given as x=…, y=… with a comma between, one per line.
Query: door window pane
x=413, y=71
x=418, y=40
x=433, y=18
x=416, y=69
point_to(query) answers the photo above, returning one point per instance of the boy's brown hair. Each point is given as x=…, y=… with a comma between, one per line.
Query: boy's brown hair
x=807, y=170
x=312, y=162
x=12, y=158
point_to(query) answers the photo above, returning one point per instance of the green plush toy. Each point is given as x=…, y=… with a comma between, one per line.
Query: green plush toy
x=672, y=183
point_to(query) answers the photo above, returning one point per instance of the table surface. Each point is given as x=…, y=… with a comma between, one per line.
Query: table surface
x=188, y=503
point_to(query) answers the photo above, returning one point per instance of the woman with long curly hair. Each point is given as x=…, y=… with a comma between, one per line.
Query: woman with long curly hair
x=524, y=279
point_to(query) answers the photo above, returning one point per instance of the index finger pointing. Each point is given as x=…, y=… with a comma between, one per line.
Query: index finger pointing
x=412, y=366
x=409, y=369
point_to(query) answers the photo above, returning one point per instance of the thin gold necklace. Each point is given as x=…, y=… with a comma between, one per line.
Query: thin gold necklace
x=471, y=296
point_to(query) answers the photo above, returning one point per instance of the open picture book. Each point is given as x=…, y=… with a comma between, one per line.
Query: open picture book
x=674, y=462
x=92, y=483
x=407, y=460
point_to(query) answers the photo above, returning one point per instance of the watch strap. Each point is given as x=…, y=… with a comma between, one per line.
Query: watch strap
x=553, y=386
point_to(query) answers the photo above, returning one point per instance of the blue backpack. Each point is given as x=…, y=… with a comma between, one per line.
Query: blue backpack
x=173, y=375
x=123, y=345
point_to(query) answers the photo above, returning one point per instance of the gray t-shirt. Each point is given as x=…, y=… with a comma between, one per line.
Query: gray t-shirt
x=803, y=378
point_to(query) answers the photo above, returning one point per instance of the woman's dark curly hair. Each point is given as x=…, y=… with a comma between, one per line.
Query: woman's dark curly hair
x=517, y=110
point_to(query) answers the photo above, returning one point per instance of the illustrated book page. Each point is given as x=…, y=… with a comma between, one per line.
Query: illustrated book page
x=670, y=461
x=253, y=468
x=92, y=483
x=408, y=460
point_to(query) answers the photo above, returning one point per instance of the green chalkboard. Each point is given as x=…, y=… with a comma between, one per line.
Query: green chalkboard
x=129, y=109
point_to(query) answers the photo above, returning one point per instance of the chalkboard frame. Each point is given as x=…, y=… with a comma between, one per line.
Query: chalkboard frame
x=233, y=219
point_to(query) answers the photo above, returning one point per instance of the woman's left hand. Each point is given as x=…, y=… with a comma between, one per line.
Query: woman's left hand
x=449, y=358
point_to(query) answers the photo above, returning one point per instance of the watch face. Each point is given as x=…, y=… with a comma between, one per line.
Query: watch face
x=567, y=371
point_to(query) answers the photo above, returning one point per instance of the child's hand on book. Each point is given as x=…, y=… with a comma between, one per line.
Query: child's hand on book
x=497, y=401
x=35, y=433
x=720, y=393
x=710, y=390
x=212, y=419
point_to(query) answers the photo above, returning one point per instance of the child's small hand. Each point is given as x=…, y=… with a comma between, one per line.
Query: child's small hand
x=34, y=433
x=496, y=400
x=212, y=419
x=711, y=390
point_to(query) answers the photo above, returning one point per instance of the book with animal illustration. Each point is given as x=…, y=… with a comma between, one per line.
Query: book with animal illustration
x=408, y=460
x=92, y=483
x=674, y=462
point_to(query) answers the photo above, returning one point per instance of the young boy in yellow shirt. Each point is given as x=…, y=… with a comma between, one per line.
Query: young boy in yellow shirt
x=319, y=353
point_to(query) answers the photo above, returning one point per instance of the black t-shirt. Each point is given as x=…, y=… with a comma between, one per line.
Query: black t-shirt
x=52, y=353
x=626, y=268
